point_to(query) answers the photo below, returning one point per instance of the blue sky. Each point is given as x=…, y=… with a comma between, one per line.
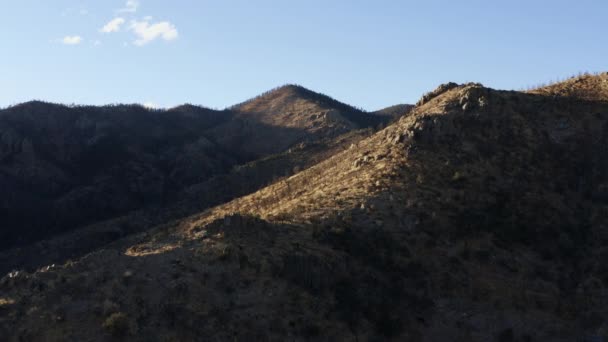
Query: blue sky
x=216, y=53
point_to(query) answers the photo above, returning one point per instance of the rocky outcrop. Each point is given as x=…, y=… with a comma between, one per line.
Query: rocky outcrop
x=438, y=91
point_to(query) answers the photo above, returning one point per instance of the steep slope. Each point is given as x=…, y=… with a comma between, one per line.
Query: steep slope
x=65, y=167
x=241, y=180
x=302, y=114
x=480, y=216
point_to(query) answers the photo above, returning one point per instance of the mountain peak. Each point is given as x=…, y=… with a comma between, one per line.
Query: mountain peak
x=292, y=105
x=292, y=87
x=289, y=92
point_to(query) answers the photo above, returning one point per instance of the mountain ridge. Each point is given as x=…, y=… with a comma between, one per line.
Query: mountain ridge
x=469, y=219
x=591, y=87
x=120, y=158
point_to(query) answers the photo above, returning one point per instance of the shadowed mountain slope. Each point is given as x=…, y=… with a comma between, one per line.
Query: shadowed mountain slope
x=480, y=216
x=61, y=167
x=395, y=111
x=64, y=167
x=240, y=180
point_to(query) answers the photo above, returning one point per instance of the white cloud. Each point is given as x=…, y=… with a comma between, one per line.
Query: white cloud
x=113, y=25
x=147, y=32
x=130, y=7
x=71, y=40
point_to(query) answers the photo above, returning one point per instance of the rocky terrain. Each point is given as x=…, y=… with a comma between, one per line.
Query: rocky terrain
x=241, y=180
x=300, y=113
x=65, y=167
x=481, y=215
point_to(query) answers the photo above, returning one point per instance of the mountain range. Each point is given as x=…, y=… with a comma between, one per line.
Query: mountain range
x=64, y=167
x=475, y=215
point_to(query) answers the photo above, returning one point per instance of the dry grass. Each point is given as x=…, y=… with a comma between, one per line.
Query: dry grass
x=585, y=85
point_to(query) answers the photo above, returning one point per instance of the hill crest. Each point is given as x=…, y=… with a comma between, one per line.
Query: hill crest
x=591, y=87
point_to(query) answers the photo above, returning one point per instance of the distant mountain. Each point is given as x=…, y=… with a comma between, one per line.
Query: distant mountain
x=278, y=106
x=479, y=216
x=64, y=167
x=395, y=111
x=294, y=114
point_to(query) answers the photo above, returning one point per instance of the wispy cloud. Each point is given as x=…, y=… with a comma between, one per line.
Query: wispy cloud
x=131, y=6
x=71, y=40
x=113, y=25
x=147, y=32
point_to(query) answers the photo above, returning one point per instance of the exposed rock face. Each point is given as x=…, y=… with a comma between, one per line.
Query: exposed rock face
x=438, y=91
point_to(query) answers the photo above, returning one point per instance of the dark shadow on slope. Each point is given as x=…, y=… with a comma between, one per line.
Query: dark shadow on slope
x=242, y=180
x=535, y=164
x=241, y=278
x=65, y=167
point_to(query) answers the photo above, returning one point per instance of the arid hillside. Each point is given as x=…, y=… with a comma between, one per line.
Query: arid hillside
x=240, y=180
x=585, y=87
x=480, y=216
x=297, y=107
x=65, y=167
x=302, y=114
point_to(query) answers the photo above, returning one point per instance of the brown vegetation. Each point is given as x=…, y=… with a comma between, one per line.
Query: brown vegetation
x=479, y=216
